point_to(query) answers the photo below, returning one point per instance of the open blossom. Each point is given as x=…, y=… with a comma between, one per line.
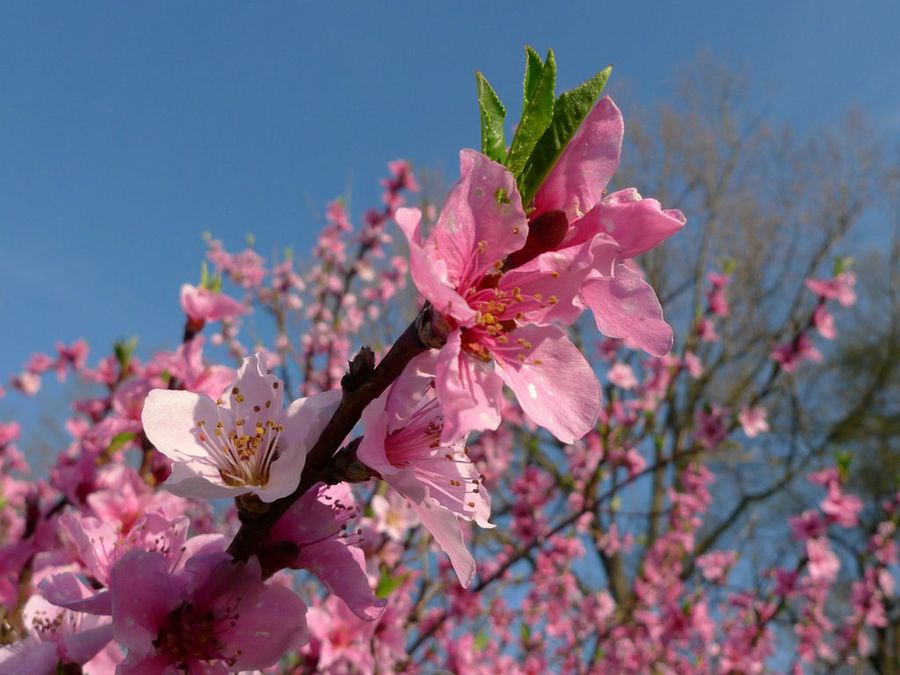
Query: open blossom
x=753, y=421
x=825, y=323
x=494, y=313
x=619, y=226
x=716, y=565
x=213, y=616
x=403, y=443
x=710, y=427
x=392, y=515
x=791, y=354
x=243, y=442
x=55, y=636
x=202, y=305
x=316, y=527
x=716, y=297
x=839, y=288
x=622, y=375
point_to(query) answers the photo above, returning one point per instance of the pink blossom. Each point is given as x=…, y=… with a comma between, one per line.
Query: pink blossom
x=72, y=356
x=100, y=544
x=492, y=314
x=807, y=525
x=39, y=363
x=824, y=323
x=27, y=383
x=55, y=635
x=243, y=442
x=392, y=515
x=823, y=563
x=693, y=364
x=710, y=429
x=316, y=528
x=706, y=330
x=841, y=509
x=792, y=353
x=403, y=443
x=187, y=366
x=753, y=421
x=716, y=565
x=621, y=226
x=214, y=616
x=716, y=298
x=622, y=376
x=9, y=433
x=339, y=641
x=202, y=305
x=839, y=288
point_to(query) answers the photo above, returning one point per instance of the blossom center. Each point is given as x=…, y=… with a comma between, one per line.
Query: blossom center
x=243, y=442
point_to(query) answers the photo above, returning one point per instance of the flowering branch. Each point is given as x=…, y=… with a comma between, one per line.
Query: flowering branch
x=362, y=384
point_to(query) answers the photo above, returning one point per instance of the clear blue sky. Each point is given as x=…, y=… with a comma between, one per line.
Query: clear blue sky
x=128, y=129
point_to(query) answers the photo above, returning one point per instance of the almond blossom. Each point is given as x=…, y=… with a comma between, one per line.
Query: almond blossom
x=243, y=442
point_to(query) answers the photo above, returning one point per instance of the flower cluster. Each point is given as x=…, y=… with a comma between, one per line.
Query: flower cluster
x=118, y=560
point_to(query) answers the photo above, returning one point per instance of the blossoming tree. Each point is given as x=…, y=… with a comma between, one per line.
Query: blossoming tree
x=466, y=494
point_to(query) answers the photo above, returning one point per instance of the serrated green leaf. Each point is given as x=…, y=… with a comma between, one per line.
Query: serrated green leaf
x=536, y=117
x=533, y=67
x=569, y=112
x=493, y=143
x=481, y=641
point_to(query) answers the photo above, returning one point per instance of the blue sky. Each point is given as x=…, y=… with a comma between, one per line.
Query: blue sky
x=126, y=129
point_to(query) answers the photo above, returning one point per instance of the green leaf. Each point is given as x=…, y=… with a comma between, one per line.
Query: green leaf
x=536, y=117
x=388, y=584
x=124, y=350
x=524, y=633
x=569, y=112
x=533, y=67
x=843, y=459
x=118, y=441
x=493, y=144
x=841, y=265
x=481, y=641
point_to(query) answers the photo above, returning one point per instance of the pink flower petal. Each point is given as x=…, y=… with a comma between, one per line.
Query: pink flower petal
x=625, y=306
x=553, y=383
x=303, y=423
x=587, y=164
x=482, y=221
x=637, y=224
x=343, y=571
x=165, y=417
x=445, y=528
x=430, y=273
x=144, y=594
x=469, y=390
